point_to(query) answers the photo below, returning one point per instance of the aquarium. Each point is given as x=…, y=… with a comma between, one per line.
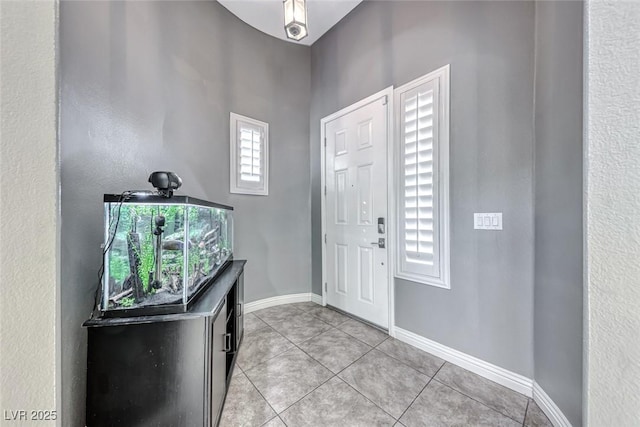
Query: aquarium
x=160, y=252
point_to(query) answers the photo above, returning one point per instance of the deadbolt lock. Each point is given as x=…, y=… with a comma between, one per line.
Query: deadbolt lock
x=381, y=243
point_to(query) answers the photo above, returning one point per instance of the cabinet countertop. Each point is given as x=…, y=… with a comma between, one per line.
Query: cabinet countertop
x=208, y=304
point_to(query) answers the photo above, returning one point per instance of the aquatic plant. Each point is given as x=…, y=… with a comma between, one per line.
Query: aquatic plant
x=141, y=218
x=127, y=302
x=147, y=260
x=118, y=266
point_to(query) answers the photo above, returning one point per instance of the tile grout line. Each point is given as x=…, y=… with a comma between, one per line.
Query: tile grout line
x=332, y=327
x=431, y=377
x=268, y=421
x=294, y=346
x=419, y=371
x=266, y=360
x=342, y=370
x=369, y=400
x=374, y=347
x=310, y=338
x=350, y=364
x=291, y=342
x=301, y=312
x=356, y=390
x=525, y=412
x=269, y=323
x=316, y=360
x=420, y=392
x=406, y=364
x=335, y=326
x=307, y=394
x=334, y=375
x=263, y=398
x=476, y=400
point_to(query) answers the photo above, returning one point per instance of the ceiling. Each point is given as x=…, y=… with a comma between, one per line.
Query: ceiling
x=268, y=16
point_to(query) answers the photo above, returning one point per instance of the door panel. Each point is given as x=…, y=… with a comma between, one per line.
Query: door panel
x=341, y=268
x=218, y=363
x=342, y=183
x=365, y=273
x=356, y=196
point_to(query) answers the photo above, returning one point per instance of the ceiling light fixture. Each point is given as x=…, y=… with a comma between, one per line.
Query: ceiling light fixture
x=295, y=19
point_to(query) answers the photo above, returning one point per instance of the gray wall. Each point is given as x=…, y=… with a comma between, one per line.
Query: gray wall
x=488, y=312
x=558, y=205
x=149, y=86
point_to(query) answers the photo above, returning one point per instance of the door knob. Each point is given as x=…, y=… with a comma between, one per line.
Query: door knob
x=381, y=243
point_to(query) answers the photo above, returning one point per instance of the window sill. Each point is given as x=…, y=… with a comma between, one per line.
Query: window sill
x=424, y=280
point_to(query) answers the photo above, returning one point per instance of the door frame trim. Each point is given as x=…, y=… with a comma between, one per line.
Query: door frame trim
x=388, y=92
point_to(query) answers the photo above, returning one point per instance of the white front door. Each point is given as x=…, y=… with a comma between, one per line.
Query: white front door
x=356, y=267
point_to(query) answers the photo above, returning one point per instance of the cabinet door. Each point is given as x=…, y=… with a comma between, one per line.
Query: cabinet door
x=239, y=309
x=147, y=374
x=220, y=343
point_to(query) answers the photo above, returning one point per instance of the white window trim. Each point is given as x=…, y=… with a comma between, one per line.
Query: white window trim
x=235, y=186
x=443, y=281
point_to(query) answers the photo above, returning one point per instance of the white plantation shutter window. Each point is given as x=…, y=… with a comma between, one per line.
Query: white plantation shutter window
x=422, y=193
x=249, y=155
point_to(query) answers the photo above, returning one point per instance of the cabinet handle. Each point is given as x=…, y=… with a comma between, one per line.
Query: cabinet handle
x=227, y=343
x=239, y=309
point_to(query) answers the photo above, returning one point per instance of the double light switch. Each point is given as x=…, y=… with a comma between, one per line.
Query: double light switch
x=487, y=221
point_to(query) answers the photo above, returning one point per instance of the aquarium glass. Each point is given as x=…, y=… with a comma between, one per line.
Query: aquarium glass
x=209, y=248
x=151, y=246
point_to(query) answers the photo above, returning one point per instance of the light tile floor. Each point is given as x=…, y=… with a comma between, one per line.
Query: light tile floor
x=306, y=365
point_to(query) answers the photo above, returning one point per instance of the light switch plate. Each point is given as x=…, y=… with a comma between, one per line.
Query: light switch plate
x=487, y=221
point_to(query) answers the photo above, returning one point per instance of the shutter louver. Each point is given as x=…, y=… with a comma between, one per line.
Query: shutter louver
x=250, y=154
x=249, y=171
x=422, y=180
x=419, y=177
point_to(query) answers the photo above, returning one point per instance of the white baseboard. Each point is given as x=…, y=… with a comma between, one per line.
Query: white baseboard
x=548, y=406
x=284, y=299
x=509, y=379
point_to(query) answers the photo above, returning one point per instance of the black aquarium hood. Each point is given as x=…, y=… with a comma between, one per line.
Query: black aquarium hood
x=153, y=198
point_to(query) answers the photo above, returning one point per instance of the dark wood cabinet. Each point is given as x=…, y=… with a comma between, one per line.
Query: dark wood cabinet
x=219, y=342
x=167, y=370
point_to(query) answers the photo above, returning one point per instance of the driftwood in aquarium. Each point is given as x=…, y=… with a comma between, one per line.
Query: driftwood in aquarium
x=175, y=281
x=197, y=274
x=133, y=249
x=128, y=283
x=114, y=286
x=212, y=235
x=172, y=281
x=173, y=245
x=121, y=295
